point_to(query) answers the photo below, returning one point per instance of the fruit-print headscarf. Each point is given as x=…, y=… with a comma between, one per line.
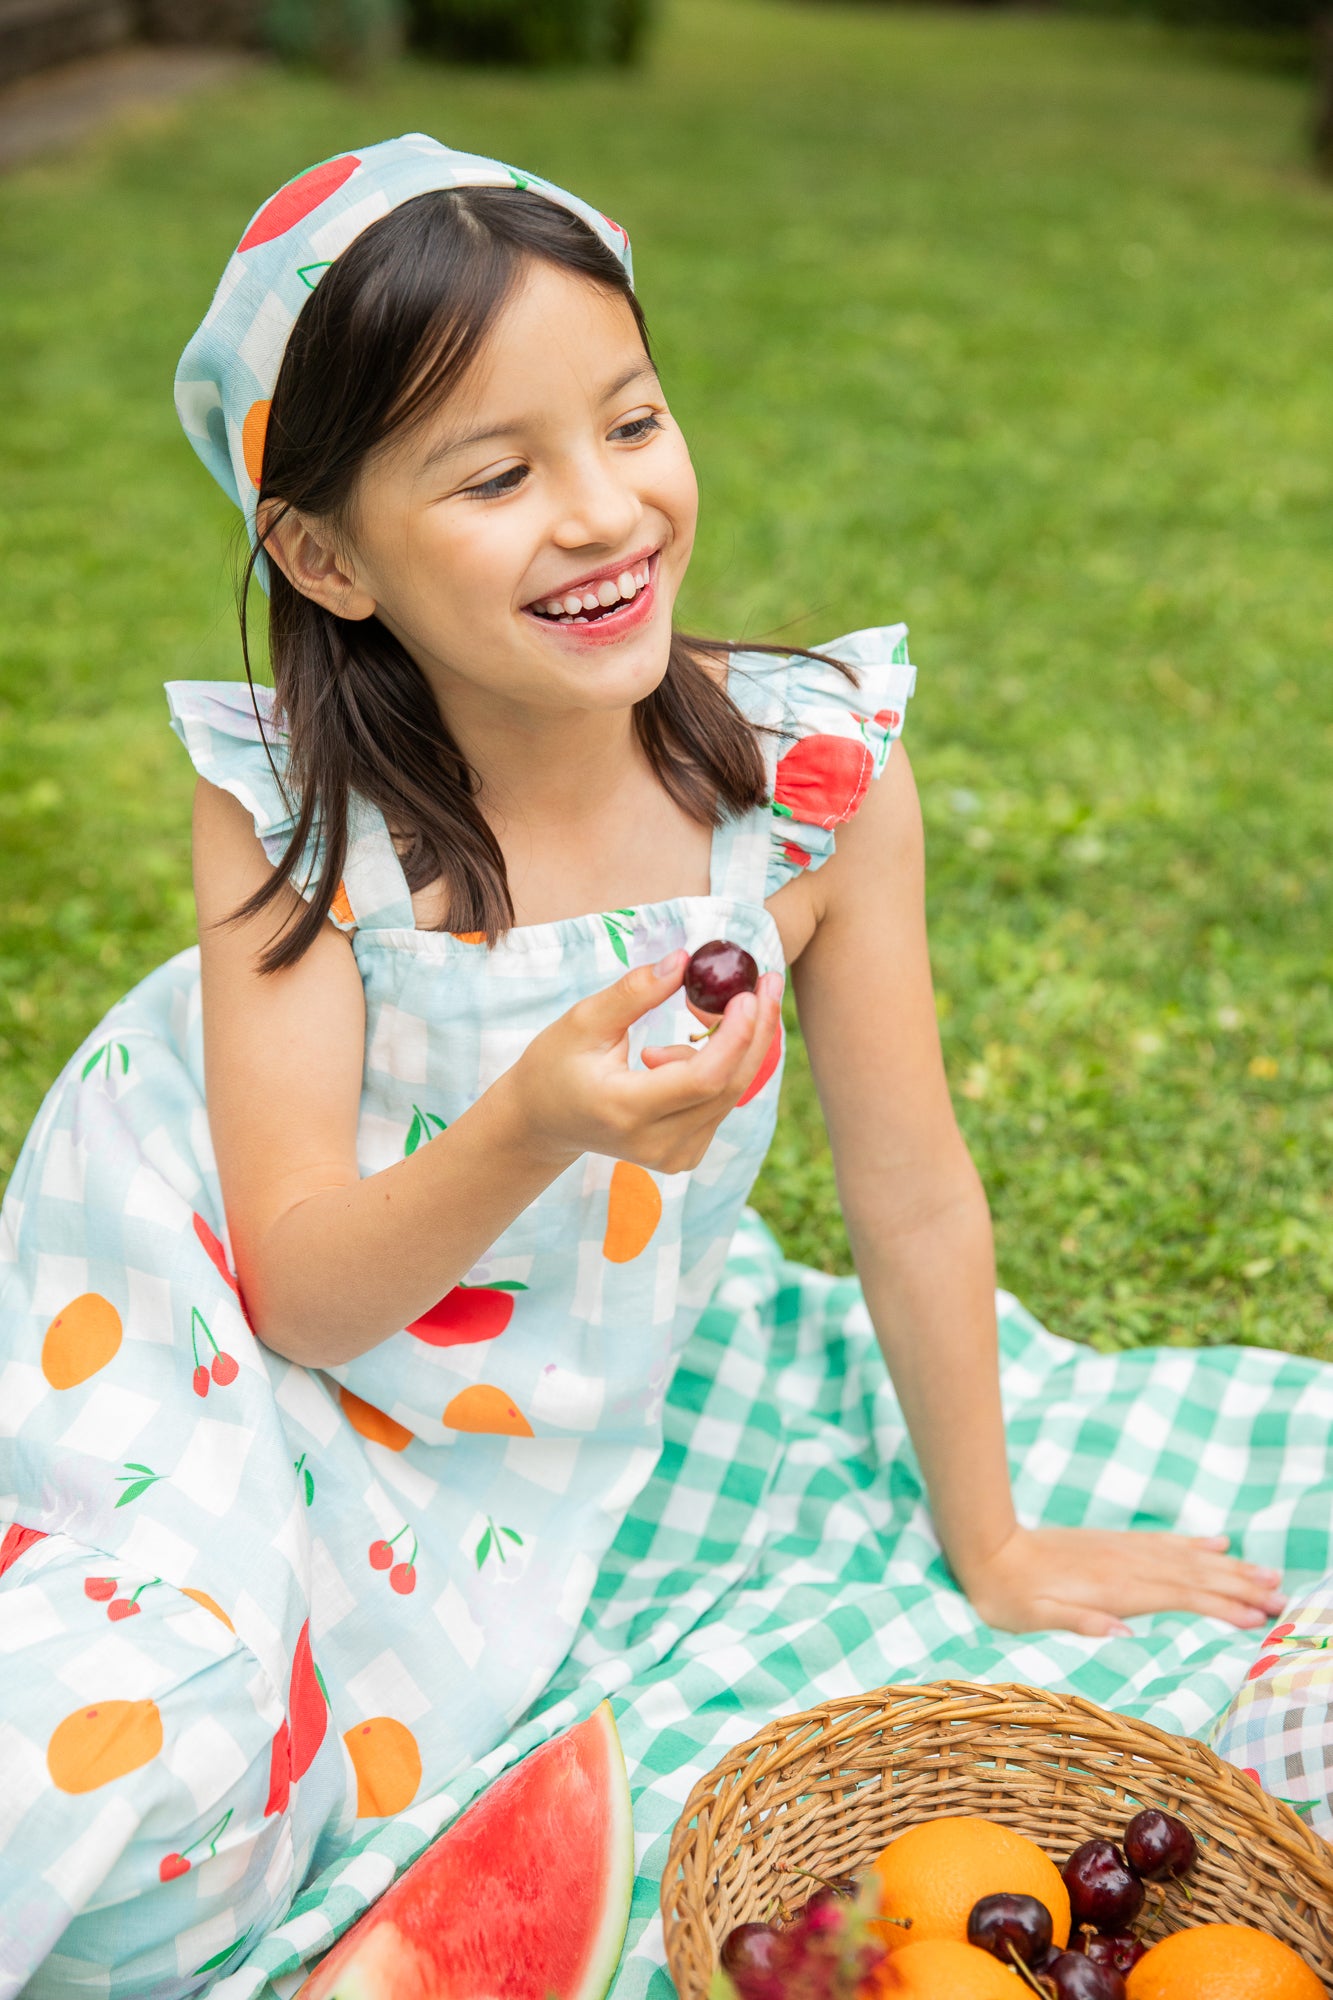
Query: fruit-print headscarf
x=225, y=380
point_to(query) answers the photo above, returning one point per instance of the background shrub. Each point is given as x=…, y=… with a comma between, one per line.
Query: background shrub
x=533, y=32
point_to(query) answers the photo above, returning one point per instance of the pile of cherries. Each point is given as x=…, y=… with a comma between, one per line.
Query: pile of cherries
x=1106, y=1893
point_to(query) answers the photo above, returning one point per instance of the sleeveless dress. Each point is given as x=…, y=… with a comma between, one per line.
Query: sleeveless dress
x=248, y=1608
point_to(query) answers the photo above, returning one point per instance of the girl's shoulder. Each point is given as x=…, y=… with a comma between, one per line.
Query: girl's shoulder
x=236, y=739
x=829, y=719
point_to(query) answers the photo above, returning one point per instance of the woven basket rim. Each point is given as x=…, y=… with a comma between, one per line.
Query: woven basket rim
x=720, y=1799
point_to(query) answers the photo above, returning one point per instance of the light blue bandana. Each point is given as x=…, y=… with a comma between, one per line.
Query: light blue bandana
x=225, y=380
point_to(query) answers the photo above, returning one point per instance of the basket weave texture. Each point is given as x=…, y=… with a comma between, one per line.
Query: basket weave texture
x=824, y=1791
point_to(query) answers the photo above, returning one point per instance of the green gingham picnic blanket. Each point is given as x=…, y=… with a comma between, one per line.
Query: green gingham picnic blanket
x=782, y=1555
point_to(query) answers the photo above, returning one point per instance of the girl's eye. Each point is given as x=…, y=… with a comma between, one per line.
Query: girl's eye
x=503, y=482
x=638, y=427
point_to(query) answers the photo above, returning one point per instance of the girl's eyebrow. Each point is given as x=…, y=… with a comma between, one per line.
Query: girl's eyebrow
x=450, y=445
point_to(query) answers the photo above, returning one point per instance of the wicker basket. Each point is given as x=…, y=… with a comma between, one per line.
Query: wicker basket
x=826, y=1790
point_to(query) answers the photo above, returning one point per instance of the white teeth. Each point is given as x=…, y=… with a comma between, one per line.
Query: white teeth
x=608, y=592
x=591, y=601
x=571, y=608
x=572, y=604
x=554, y=608
x=627, y=584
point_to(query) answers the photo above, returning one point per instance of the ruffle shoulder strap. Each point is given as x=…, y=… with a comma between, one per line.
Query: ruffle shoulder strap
x=238, y=751
x=834, y=737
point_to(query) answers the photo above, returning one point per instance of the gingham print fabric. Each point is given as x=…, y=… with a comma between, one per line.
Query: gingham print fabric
x=781, y=1554
x=227, y=374
x=397, y=1552
x=1279, y=1726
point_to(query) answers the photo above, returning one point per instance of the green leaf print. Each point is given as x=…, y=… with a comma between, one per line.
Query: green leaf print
x=419, y=1130
x=513, y=1535
x=221, y=1957
x=483, y=1548
x=106, y=1053
x=136, y=1479
x=618, y=932
x=309, y=1479
x=491, y=1543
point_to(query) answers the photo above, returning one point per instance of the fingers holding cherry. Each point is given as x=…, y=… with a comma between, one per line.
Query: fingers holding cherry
x=716, y=973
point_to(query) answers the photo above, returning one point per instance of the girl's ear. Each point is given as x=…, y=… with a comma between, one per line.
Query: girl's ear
x=305, y=552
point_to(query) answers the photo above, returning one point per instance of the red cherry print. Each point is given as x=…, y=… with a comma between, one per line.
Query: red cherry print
x=171, y=1867
x=403, y=1578
x=297, y=200
x=99, y=1588
x=468, y=1313
x=381, y=1555
x=765, y=1069
x=212, y=1245
x=1278, y=1633
x=823, y=779
x=796, y=855
x=888, y=718
x=225, y=1369
x=1248, y=1771
x=122, y=1607
x=16, y=1540
x=199, y=1380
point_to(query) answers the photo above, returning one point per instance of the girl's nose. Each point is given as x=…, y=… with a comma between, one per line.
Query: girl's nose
x=597, y=505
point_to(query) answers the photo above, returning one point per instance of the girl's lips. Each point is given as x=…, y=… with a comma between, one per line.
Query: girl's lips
x=612, y=625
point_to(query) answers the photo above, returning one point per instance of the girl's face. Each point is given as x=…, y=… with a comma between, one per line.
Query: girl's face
x=527, y=541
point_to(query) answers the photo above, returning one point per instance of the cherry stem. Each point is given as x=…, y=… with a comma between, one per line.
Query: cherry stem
x=706, y=1033
x=1044, y=1987
x=195, y=1314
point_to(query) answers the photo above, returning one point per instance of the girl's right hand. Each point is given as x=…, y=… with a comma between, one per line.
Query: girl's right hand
x=576, y=1093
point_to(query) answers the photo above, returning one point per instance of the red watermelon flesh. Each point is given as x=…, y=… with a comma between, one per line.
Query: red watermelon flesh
x=525, y=1897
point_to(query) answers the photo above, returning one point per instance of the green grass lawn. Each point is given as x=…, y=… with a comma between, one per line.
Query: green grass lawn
x=1014, y=326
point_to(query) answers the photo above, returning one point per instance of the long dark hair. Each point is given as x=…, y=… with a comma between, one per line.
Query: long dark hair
x=386, y=335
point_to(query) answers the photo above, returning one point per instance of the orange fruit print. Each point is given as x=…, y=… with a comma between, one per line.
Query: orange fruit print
x=483, y=1407
x=253, y=433
x=82, y=1338
x=633, y=1211
x=387, y=1763
x=823, y=779
x=373, y=1423
x=107, y=1740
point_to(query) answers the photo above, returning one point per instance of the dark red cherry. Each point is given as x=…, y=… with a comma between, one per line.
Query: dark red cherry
x=1158, y=1846
x=1103, y=1890
x=842, y=1889
x=1121, y=1950
x=1011, y=1927
x=1071, y=1976
x=717, y=972
x=750, y=1948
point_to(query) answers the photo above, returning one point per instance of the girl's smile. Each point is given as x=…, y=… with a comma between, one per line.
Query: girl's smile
x=597, y=610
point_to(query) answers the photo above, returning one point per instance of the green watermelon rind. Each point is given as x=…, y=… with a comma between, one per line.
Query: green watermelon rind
x=610, y=1940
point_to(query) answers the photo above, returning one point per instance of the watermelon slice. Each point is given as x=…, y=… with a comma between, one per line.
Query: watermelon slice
x=525, y=1897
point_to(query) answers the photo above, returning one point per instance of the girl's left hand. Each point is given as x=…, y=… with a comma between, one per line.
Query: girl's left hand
x=1090, y=1580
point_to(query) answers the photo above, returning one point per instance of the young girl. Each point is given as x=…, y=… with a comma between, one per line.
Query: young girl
x=348, y=1266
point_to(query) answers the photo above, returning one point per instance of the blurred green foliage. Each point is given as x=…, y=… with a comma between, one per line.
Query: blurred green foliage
x=533, y=32
x=1013, y=325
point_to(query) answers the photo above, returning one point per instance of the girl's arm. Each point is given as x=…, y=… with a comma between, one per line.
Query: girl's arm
x=920, y=1233
x=330, y=1263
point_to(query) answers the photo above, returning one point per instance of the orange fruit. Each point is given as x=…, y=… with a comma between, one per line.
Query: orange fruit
x=633, y=1211
x=1223, y=1962
x=936, y=1871
x=209, y=1604
x=483, y=1407
x=81, y=1338
x=373, y=1423
x=387, y=1763
x=104, y=1741
x=932, y=1969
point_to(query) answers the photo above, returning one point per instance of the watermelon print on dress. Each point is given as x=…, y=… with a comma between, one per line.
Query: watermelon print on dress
x=824, y=779
x=526, y=1896
x=293, y=203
